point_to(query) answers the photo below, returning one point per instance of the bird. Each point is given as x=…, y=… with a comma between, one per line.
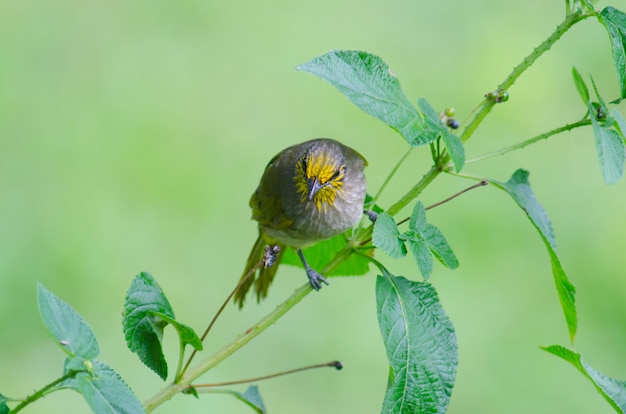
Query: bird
x=308, y=192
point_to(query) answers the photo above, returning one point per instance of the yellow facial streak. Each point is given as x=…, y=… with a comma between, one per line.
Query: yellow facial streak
x=329, y=173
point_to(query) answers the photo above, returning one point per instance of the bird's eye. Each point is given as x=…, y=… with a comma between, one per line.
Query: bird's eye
x=337, y=174
x=304, y=165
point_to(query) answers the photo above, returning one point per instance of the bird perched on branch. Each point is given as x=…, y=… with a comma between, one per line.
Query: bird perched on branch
x=308, y=192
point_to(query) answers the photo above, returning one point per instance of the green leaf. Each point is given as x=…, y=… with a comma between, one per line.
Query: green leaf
x=420, y=343
x=620, y=123
x=439, y=247
x=142, y=329
x=106, y=392
x=368, y=83
x=321, y=253
x=70, y=330
x=386, y=236
x=610, y=149
x=519, y=189
x=421, y=232
x=615, y=23
x=187, y=335
x=613, y=391
x=420, y=249
x=4, y=408
x=583, y=91
x=251, y=397
x=453, y=143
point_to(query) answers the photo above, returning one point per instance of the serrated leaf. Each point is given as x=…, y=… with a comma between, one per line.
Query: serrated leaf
x=581, y=87
x=610, y=149
x=420, y=231
x=69, y=329
x=420, y=249
x=615, y=23
x=142, y=329
x=439, y=247
x=420, y=343
x=417, y=220
x=368, y=83
x=386, y=236
x=187, y=335
x=106, y=392
x=519, y=189
x=321, y=253
x=613, y=390
x=453, y=144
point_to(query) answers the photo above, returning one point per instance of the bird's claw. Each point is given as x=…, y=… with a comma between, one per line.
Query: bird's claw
x=316, y=279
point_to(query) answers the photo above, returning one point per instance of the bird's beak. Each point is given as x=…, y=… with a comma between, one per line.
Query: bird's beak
x=314, y=187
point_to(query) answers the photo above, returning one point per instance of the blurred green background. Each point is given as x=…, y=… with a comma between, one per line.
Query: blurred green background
x=133, y=133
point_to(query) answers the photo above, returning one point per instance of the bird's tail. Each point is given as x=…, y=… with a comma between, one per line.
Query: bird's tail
x=263, y=274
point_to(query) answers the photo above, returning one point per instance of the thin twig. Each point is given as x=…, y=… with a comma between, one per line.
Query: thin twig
x=482, y=183
x=333, y=364
x=219, y=312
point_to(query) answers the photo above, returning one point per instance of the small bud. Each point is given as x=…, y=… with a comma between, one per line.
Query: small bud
x=599, y=111
x=338, y=365
x=498, y=96
x=452, y=123
x=447, y=117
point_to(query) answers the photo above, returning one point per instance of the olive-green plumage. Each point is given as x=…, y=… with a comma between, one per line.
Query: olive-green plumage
x=308, y=192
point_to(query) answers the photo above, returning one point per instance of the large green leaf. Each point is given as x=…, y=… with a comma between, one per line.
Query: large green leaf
x=421, y=346
x=613, y=391
x=321, y=253
x=615, y=23
x=70, y=330
x=106, y=392
x=143, y=329
x=519, y=189
x=368, y=82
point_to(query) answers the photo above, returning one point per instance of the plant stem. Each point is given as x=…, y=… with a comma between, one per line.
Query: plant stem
x=42, y=392
x=271, y=318
x=333, y=364
x=251, y=272
x=205, y=365
x=528, y=61
x=415, y=191
x=545, y=135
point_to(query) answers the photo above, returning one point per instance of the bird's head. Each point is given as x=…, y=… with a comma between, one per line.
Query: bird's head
x=320, y=172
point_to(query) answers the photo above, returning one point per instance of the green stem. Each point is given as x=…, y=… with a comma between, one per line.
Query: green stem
x=545, y=135
x=205, y=365
x=415, y=191
x=42, y=392
x=528, y=61
x=271, y=318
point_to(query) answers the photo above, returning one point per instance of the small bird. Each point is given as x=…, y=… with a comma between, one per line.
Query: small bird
x=308, y=192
